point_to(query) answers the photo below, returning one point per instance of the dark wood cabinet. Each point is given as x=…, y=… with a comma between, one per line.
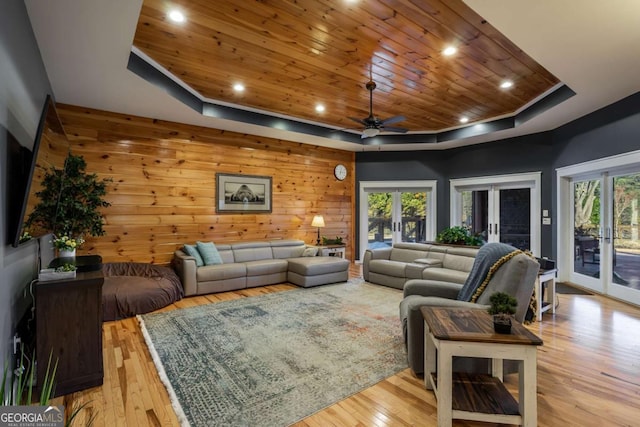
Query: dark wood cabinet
x=69, y=327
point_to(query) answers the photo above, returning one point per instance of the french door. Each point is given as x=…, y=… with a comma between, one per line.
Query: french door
x=603, y=209
x=395, y=211
x=499, y=208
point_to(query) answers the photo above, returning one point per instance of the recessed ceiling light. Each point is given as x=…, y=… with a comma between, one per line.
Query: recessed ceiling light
x=506, y=84
x=449, y=51
x=176, y=16
x=238, y=87
x=464, y=119
x=320, y=108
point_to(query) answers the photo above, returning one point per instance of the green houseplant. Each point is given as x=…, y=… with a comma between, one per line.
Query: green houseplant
x=70, y=201
x=17, y=387
x=458, y=235
x=503, y=307
x=329, y=241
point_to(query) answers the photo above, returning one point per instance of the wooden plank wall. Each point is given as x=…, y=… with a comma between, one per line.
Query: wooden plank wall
x=163, y=189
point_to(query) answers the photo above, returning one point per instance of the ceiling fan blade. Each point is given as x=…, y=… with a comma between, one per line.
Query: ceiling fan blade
x=394, y=129
x=394, y=119
x=361, y=121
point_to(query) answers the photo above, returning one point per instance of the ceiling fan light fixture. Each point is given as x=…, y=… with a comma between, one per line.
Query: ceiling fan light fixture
x=370, y=132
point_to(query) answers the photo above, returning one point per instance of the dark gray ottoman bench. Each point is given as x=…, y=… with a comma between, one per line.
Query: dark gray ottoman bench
x=317, y=270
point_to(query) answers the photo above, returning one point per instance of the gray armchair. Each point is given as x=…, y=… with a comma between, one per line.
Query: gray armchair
x=516, y=277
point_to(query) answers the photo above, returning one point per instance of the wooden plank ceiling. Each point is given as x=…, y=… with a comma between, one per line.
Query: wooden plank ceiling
x=293, y=55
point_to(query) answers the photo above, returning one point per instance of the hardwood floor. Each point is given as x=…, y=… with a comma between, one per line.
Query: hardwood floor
x=588, y=374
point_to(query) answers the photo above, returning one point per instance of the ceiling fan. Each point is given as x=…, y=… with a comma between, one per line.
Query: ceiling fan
x=373, y=125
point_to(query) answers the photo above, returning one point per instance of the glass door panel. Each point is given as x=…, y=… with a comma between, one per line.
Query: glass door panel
x=498, y=215
x=598, y=210
x=475, y=211
x=515, y=217
x=380, y=207
x=586, y=230
x=625, y=272
x=501, y=208
x=396, y=211
x=413, y=216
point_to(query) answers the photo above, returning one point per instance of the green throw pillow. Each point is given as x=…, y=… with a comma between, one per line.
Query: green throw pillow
x=209, y=253
x=191, y=250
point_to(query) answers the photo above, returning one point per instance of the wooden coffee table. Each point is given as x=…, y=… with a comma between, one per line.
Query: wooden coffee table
x=480, y=397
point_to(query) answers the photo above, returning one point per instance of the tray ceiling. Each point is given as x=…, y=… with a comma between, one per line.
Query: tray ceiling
x=291, y=55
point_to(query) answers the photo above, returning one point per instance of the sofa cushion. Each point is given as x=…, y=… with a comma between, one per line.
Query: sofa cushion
x=428, y=262
x=413, y=246
x=266, y=266
x=208, y=273
x=313, y=266
x=390, y=268
x=406, y=255
x=460, y=262
x=225, y=253
x=209, y=253
x=192, y=250
x=251, y=251
x=287, y=248
x=444, y=275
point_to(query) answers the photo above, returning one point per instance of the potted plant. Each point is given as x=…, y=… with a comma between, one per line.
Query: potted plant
x=70, y=202
x=17, y=387
x=503, y=307
x=67, y=245
x=458, y=235
x=328, y=241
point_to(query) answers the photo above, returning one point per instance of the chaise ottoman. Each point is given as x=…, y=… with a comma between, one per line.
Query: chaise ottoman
x=317, y=270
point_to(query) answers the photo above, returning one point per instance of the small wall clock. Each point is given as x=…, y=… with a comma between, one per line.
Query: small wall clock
x=340, y=172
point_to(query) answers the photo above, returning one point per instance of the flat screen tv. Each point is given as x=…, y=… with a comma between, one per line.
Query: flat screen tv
x=18, y=163
x=50, y=149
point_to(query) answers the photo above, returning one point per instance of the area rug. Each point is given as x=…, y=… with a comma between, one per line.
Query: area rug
x=563, y=288
x=275, y=359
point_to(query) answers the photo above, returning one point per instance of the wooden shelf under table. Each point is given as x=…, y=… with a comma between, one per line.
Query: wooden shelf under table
x=480, y=393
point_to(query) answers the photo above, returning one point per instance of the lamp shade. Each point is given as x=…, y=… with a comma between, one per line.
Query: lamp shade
x=318, y=221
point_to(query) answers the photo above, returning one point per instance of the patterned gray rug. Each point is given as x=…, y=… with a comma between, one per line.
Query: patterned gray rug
x=275, y=359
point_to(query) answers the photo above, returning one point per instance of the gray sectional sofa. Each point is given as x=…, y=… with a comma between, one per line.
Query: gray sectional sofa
x=395, y=265
x=258, y=263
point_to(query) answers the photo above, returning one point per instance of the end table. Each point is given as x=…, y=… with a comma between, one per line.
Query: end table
x=546, y=279
x=479, y=397
x=332, y=250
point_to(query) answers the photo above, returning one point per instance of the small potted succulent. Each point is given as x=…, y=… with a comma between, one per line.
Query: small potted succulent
x=503, y=307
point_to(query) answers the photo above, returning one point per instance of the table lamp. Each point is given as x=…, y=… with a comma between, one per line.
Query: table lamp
x=318, y=221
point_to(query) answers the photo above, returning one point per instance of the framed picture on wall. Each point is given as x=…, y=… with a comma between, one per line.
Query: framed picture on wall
x=243, y=193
